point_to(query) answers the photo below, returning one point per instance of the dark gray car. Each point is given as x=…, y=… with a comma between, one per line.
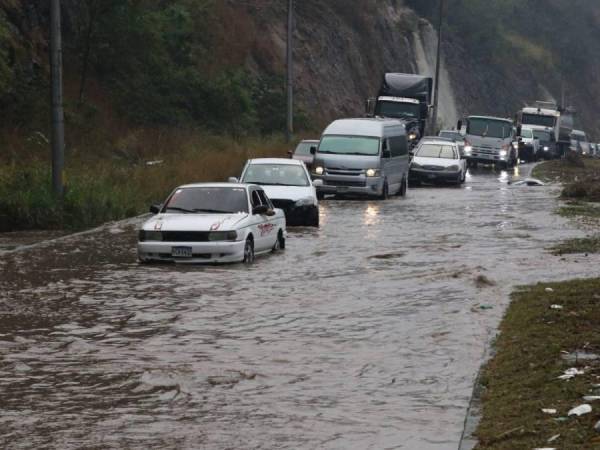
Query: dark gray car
x=302, y=152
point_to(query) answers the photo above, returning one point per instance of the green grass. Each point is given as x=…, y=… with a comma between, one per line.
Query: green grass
x=115, y=185
x=578, y=209
x=521, y=378
x=579, y=245
x=580, y=177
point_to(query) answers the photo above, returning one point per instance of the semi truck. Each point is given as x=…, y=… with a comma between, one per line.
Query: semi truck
x=406, y=97
x=555, y=121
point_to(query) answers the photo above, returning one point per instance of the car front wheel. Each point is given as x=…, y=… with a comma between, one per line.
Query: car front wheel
x=279, y=243
x=249, y=252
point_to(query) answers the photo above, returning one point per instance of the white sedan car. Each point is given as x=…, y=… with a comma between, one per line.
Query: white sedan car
x=212, y=223
x=438, y=160
x=288, y=185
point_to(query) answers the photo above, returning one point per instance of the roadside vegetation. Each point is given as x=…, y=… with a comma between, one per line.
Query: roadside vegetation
x=544, y=327
x=122, y=182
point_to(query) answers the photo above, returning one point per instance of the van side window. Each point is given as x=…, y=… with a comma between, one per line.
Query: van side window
x=398, y=146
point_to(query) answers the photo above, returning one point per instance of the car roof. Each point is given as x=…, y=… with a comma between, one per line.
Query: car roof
x=503, y=119
x=215, y=185
x=282, y=161
x=450, y=131
x=438, y=139
x=308, y=141
x=374, y=127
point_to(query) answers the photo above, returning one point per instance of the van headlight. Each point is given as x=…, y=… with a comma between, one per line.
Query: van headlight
x=372, y=173
x=319, y=170
x=546, y=148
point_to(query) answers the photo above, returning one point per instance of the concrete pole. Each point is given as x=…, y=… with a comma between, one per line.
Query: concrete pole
x=290, y=72
x=58, y=120
x=436, y=100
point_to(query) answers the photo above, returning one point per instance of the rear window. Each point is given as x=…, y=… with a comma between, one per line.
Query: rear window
x=303, y=148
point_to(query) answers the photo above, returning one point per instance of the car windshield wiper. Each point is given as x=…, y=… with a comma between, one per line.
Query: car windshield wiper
x=215, y=211
x=177, y=208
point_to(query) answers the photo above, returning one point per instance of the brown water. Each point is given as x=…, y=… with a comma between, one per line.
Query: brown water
x=365, y=334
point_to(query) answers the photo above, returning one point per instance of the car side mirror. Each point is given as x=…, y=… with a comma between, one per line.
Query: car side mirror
x=313, y=150
x=270, y=212
x=317, y=183
x=386, y=154
x=290, y=153
x=233, y=180
x=260, y=210
x=155, y=209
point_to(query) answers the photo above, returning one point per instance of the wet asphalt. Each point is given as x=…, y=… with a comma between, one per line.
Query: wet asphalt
x=364, y=334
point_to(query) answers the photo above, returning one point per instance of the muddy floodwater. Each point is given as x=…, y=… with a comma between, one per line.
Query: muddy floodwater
x=364, y=334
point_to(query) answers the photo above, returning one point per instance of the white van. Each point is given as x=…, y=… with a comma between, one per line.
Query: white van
x=362, y=157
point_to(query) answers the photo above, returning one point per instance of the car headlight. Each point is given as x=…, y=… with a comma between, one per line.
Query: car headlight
x=222, y=236
x=372, y=173
x=415, y=165
x=453, y=168
x=150, y=236
x=515, y=144
x=306, y=201
x=546, y=148
x=503, y=153
x=412, y=136
x=319, y=170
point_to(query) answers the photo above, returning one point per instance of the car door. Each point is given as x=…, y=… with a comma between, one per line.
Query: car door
x=269, y=228
x=400, y=156
x=258, y=222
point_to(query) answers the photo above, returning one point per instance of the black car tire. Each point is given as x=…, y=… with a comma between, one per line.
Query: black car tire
x=320, y=196
x=313, y=218
x=385, y=191
x=249, y=252
x=404, y=188
x=279, y=242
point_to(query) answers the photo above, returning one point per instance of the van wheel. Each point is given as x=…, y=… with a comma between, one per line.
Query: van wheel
x=403, y=188
x=249, y=252
x=385, y=192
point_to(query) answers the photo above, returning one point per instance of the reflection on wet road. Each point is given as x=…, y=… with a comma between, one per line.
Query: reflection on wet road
x=365, y=334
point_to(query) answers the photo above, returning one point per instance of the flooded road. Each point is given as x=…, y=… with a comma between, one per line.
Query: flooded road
x=365, y=334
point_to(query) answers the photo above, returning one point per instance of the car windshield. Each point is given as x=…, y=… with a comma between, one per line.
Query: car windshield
x=397, y=110
x=489, y=128
x=208, y=200
x=350, y=145
x=275, y=175
x=303, y=148
x=543, y=136
x=452, y=135
x=527, y=134
x=536, y=119
x=436, y=151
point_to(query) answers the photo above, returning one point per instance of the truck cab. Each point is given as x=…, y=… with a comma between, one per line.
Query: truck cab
x=489, y=140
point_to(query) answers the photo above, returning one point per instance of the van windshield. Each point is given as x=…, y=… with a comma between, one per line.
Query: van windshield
x=492, y=128
x=350, y=145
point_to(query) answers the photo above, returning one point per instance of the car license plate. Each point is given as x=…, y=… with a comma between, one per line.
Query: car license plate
x=431, y=176
x=342, y=189
x=181, y=252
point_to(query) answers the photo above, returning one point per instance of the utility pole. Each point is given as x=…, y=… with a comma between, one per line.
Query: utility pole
x=437, y=70
x=290, y=73
x=58, y=119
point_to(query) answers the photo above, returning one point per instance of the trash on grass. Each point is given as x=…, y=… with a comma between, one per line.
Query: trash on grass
x=553, y=438
x=556, y=307
x=591, y=398
x=571, y=373
x=549, y=290
x=549, y=411
x=580, y=410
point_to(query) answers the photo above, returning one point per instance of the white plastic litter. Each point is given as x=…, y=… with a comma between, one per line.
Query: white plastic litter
x=553, y=438
x=580, y=410
x=545, y=448
x=549, y=411
x=571, y=373
x=549, y=290
x=597, y=426
x=591, y=398
x=556, y=307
